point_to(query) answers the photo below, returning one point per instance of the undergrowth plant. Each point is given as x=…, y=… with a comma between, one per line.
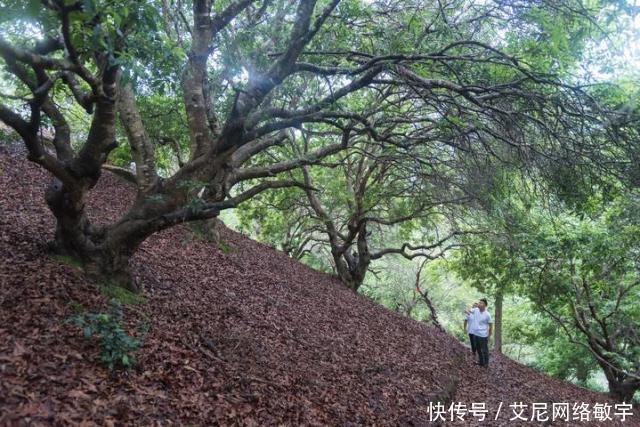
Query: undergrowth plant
x=116, y=345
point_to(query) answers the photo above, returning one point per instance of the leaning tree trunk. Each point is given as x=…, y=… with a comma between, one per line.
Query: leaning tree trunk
x=352, y=267
x=352, y=273
x=105, y=256
x=105, y=251
x=621, y=387
x=110, y=263
x=498, y=323
x=73, y=230
x=623, y=391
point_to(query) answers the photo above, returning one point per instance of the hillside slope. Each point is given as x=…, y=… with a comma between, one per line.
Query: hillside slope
x=243, y=336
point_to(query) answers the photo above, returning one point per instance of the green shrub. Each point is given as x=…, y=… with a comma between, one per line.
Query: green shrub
x=117, y=346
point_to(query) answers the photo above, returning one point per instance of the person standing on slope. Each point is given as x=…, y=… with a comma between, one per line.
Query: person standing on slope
x=482, y=323
x=469, y=327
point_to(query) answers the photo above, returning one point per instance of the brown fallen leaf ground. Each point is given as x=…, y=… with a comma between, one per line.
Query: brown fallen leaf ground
x=246, y=336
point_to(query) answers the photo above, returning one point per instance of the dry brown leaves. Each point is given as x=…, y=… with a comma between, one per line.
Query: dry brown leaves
x=245, y=338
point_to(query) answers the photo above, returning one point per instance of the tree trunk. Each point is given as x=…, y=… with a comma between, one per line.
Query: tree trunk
x=213, y=226
x=623, y=391
x=352, y=265
x=498, y=323
x=72, y=225
x=352, y=269
x=110, y=265
x=104, y=252
x=621, y=387
x=350, y=282
x=73, y=230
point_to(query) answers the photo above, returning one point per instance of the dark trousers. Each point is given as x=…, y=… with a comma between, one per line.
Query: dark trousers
x=482, y=346
x=472, y=339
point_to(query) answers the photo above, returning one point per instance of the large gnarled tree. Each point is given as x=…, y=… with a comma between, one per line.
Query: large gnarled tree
x=89, y=50
x=246, y=71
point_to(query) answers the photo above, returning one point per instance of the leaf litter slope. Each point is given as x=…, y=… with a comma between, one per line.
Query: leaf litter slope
x=244, y=336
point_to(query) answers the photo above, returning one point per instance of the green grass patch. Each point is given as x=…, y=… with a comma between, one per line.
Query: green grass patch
x=224, y=247
x=67, y=260
x=122, y=295
x=76, y=307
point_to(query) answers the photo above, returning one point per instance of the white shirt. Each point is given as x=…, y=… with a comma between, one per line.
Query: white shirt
x=470, y=323
x=478, y=322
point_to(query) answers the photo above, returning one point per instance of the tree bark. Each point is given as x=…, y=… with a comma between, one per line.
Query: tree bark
x=498, y=323
x=351, y=274
x=105, y=251
x=72, y=225
x=352, y=267
x=110, y=264
x=621, y=387
x=104, y=258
